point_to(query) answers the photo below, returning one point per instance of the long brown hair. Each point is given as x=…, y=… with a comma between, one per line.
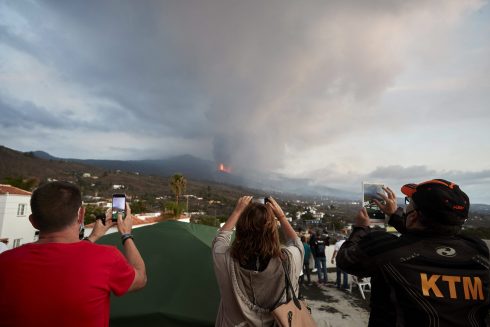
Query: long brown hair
x=256, y=234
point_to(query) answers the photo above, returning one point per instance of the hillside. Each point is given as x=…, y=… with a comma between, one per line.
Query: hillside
x=27, y=165
x=218, y=198
x=146, y=188
x=205, y=170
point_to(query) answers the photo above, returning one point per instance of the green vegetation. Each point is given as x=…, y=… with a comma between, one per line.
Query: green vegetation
x=481, y=232
x=91, y=211
x=27, y=184
x=178, y=184
x=334, y=223
x=138, y=206
x=307, y=215
x=176, y=208
x=208, y=220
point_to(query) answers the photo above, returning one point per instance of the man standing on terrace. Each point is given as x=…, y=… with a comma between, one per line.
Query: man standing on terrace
x=60, y=280
x=431, y=275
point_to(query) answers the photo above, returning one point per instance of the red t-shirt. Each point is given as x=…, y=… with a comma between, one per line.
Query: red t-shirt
x=61, y=284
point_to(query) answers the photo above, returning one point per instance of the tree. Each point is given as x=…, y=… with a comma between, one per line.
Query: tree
x=174, y=207
x=138, y=206
x=27, y=184
x=177, y=185
x=91, y=211
x=307, y=215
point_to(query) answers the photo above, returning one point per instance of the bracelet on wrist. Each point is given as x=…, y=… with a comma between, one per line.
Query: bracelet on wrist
x=125, y=237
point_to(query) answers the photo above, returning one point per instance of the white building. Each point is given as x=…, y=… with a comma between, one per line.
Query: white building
x=14, y=216
x=139, y=220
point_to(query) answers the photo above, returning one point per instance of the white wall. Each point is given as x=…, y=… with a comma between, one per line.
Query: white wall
x=13, y=226
x=3, y=200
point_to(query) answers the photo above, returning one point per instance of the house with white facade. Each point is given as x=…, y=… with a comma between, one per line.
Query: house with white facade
x=14, y=216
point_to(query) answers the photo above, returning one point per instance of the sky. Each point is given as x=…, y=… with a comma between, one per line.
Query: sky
x=335, y=92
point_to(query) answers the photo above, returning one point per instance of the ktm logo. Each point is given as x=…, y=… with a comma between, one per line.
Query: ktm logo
x=471, y=287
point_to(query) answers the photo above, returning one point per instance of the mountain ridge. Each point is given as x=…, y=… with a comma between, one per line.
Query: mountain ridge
x=205, y=170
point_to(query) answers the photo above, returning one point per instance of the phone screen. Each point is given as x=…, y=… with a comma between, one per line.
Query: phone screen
x=263, y=200
x=258, y=200
x=118, y=205
x=371, y=191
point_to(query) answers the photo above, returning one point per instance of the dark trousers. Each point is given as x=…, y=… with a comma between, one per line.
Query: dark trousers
x=306, y=271
x=339, y=274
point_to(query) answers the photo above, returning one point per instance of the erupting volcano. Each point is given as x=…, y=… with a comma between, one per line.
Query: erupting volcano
x=224, y=169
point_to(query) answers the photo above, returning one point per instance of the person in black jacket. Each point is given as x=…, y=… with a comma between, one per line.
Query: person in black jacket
x=429, y=276
x=318, y=246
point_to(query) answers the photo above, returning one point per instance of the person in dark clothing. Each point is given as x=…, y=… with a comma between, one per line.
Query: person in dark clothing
x=311, y=242
x=318, y=248
x=429, y=276
x=306, y=262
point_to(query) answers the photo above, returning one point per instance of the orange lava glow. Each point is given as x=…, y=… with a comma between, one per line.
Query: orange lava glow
x=224, y=168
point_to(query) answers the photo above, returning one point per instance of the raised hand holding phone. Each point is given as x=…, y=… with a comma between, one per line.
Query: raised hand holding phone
x=118, y=205
x=373, y=195
x=389, y=205
x=101, y=226
x=124, y=226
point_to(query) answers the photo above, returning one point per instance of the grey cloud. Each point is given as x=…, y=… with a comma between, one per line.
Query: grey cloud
x=474, y=183
x=249, y=76
x=168, y=62
x=28, y=115
x=418, y=174
x=396, y=172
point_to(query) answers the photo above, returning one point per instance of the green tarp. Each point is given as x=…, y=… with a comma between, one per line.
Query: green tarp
x=182, y=289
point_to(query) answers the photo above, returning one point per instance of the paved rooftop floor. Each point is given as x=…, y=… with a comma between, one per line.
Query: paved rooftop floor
x=332, y=307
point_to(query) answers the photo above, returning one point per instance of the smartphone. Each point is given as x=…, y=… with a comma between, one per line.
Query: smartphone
x=263, y=200
x=118, y=205
x=371, y=191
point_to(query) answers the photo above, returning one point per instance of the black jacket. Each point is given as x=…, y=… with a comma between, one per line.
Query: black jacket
x=421, y=279
x=317, y=246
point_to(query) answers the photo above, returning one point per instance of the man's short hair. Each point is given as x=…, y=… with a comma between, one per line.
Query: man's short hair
x=55, y=205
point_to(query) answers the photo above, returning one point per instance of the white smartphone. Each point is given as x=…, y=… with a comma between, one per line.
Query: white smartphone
x=371, y=191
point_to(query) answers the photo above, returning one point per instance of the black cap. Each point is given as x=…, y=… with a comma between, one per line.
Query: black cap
x=440, y=200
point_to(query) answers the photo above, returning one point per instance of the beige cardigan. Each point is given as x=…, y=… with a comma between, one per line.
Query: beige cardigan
x=236, y=308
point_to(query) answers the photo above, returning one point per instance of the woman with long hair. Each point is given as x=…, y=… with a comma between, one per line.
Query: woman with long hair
x=250, y=271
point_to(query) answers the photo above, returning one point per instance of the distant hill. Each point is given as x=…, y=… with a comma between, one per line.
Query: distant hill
x=205, y=170
x=143, y=180
x=188, y=165
x=15, y=164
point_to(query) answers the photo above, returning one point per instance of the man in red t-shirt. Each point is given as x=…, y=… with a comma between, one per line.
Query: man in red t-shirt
x=60, y=280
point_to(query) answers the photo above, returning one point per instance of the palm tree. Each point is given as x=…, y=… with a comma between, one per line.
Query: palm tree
x=177, y=185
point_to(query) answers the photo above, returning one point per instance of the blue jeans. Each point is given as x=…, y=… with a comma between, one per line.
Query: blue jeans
x=321, y=261
x=339, y=273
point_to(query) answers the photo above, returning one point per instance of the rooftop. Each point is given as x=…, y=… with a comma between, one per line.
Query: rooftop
x=9, y=189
